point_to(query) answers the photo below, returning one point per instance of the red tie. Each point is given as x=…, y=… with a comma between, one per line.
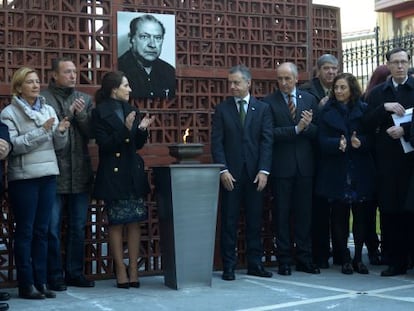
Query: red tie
x=291, y=106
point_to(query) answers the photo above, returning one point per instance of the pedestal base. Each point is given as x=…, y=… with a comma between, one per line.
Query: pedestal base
x=187, y=198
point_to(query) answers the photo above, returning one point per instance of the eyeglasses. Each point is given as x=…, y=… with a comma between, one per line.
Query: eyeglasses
x=399, y=62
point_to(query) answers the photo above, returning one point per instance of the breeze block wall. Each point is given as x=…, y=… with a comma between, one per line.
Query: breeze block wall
x=211, y=36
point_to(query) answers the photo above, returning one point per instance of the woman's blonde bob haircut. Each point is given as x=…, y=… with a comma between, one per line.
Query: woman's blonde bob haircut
x=18, y=79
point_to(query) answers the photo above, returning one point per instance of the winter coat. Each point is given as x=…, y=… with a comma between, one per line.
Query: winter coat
x=346, y=176
x=120, y=172
x=74, y=160
x=392, y=164
x=33, y=153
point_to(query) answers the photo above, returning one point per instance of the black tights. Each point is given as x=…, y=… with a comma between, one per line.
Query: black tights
x=340, y=229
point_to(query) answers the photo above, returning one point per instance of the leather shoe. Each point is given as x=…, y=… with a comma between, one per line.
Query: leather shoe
x=80, y=281
x=57, y=286
x=347, y=268
x=4, y=296
x=30, y=292
x=360, y=267
x=284, y=269
x=43, y=289
x=4, y=306
x=228, y=275
x=308, y=268
x=393, y=270
x=258, y=270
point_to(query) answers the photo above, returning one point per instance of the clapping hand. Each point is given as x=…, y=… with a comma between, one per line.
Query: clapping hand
x=64, y=124
x=4, y=148
x=49, y=124
x=129, y=120
x=305, y=119
x=342, y=143
x=146, y=122
x=77, y=106
x=355, y=142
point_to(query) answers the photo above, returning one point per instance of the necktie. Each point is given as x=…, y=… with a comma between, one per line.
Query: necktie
x=291, y=106
x=242, y=112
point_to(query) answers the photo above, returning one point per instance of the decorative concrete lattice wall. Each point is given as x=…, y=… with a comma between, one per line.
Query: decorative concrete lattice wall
x=211, y=36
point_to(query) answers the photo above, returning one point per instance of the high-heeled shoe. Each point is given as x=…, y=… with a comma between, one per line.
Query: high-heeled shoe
x=123, y=285
x=134, y=284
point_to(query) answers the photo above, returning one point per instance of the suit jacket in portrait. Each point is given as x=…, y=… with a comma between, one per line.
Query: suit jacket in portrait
x=293, y=153
x=232, y=145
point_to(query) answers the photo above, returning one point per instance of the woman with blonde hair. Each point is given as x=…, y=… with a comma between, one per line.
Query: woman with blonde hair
x=35, y=133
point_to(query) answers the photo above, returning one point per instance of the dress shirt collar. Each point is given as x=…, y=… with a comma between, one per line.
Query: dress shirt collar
x=246, y=98
x=286, y=95
x=395, y=84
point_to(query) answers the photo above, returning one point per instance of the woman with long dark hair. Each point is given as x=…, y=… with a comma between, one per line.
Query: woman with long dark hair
x=120, y=179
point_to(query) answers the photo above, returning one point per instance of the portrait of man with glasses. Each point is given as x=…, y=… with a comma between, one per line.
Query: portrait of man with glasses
x=149, y=75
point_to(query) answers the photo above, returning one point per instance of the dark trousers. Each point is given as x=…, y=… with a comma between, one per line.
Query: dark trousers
x=32, y=202
x=321, y=233
x=398, y=237
x=244, y=195
x=293, y=207
x=77, y=209
x=372, y=240
x=340, y=229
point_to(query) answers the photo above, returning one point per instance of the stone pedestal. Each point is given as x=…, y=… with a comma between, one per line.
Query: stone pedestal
x=187, y=197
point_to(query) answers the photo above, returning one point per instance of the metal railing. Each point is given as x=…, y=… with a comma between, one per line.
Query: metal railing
x=362, y=55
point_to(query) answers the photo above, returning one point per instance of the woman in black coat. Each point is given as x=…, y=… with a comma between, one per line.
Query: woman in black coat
x=120, y=179
x=346, y=168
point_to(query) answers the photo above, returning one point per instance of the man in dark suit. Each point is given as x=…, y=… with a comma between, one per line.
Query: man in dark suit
x=394, y=166
x=241, y=141
x=292, y=172
x=320, y=86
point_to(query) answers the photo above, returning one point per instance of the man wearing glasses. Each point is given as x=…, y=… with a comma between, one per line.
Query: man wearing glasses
x=148, y=75
x=394, y=167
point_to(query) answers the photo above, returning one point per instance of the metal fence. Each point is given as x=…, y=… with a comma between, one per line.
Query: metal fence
x=362, y=56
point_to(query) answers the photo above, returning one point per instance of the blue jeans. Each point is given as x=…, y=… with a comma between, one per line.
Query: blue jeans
x=77, y=209
x=32, y=202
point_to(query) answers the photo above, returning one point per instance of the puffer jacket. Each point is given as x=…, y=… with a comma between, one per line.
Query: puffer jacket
x=74, y=160
x=33, y=153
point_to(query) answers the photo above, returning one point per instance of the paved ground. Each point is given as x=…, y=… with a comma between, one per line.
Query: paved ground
x=331, y=290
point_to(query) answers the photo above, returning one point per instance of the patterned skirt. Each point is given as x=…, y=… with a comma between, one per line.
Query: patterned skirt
x=126, y=211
